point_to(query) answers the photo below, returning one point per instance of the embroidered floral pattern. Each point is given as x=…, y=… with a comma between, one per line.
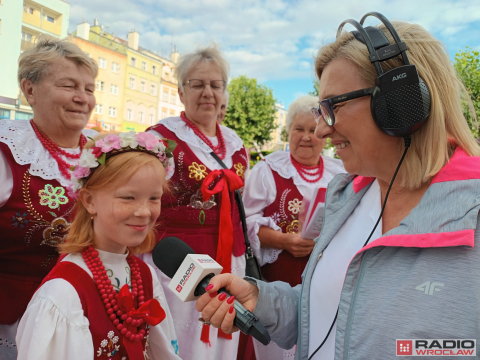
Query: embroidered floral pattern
x=196, y=201
x=240, y=170
x=52, y=197
x=294, y=206
x=175, y=346
x=275, y=217
x=55, y=234
x=19, y=220
x=293, y=227
x=108, y=346
x=199, y=172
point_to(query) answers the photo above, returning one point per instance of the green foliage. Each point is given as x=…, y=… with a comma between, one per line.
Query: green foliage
x=467, y=66
x=251, y=110
x=284, y=134
x=316, y=85
x=254, y=154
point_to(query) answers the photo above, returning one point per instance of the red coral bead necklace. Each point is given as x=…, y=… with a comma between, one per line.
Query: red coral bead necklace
x=56, y=151
x=304, y=170
x=220, y=149
x=109, y=295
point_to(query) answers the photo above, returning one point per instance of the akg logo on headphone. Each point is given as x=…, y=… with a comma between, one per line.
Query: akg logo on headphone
x=398, y=77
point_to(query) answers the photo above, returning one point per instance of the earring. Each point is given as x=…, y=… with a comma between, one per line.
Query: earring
x=91, y=217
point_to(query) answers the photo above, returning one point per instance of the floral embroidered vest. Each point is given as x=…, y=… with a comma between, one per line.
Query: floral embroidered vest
x=284, y=212
x=185, y=214
x=107, y=340
x=33, y=223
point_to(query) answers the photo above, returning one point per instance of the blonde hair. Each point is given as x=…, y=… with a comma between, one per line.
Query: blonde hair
x=203, y=54
x=303, y=105
x=118, y=169
x=430, y=149
x=34, y=64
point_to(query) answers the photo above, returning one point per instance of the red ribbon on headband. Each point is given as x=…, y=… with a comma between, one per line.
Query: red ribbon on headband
x=226, y=181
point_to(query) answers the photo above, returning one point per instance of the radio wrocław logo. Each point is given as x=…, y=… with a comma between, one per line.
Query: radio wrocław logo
x=436, y=347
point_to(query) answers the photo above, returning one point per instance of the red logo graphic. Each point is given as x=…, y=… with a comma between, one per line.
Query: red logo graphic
x=404, y=347
x=179, y=288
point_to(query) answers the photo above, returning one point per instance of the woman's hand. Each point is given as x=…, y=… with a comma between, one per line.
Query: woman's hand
x=218, y=309
x=297, y=246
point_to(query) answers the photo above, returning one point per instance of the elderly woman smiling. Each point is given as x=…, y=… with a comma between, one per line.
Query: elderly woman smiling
x=273, y=194
x=418, y=276
x=58, y=81
x=202, y=77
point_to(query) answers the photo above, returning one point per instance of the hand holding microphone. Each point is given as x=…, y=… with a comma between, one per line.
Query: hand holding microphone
x=192, y=274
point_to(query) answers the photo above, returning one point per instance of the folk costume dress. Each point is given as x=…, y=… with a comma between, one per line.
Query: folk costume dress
x=34, y=212
x=187, y=215
x=67, y=319
x=273, y=195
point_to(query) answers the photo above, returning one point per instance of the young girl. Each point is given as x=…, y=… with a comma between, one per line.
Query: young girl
x=100, y=301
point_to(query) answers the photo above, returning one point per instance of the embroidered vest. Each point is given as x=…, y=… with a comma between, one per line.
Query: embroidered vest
x=107, y=340
x=32, y=223
x=185, y=214
x=284, y=211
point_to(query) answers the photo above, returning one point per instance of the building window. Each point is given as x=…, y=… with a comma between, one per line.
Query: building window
x=27, y=9
x=4, y=114
x=172, y=98
x=102, y=63
x=142, y=86
x=99, y=109
x=165, y=96
x=133, y=62
x=129, y=114
x=151, y=119
x=144, y=65
x=132, y=83
x=22, y=115
x=115, y=67
x=114, y=89
x=172, y=113
x=167, y=75
x=26, y=37
x=100, y=85
x=50, y=19
x=164, y=114
x=112, y=111
x=152, y=89
x=140, y=117
x=154, y=69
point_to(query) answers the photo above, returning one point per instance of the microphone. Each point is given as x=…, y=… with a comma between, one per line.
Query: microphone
x=191, y=274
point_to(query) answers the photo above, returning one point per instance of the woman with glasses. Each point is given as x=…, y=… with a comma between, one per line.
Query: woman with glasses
x=415, y=276
x=274, y=193
x=200, y=220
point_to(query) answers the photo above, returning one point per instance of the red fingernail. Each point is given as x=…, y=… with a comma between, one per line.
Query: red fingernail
x=209, y=287
x=231, y=309
x=222, y=296
x=212, y=295
x=231, y=299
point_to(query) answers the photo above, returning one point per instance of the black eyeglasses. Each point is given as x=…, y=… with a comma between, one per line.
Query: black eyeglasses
x=325, y=107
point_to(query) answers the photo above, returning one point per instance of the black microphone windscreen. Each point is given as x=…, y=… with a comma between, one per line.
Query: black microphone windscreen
x=169, y=254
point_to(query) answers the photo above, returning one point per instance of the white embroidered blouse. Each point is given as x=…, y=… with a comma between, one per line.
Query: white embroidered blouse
x=260, y=192
x=53, y=326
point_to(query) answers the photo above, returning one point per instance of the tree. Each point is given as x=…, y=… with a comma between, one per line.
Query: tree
x=316, y=85
x=467, y=66
x=251, y=110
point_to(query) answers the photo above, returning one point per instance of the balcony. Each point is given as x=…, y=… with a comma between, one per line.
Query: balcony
x=26, y=45
x=35, y=20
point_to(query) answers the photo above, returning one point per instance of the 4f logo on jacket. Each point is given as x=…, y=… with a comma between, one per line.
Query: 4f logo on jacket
x=430, y=288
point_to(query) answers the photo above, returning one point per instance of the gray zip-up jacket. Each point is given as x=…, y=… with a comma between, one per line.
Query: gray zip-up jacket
x=420, y=280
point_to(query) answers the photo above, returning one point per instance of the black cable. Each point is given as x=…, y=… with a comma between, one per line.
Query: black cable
x=408, y=141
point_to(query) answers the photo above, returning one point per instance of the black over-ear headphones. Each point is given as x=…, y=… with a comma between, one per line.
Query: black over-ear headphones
x=400, y=103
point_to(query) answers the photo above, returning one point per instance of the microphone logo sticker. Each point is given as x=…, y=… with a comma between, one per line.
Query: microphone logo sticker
x=398, y=77
x=205, y=261
x=185, y=277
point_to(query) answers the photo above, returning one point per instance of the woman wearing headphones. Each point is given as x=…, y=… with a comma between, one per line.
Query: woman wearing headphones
x=415, y=273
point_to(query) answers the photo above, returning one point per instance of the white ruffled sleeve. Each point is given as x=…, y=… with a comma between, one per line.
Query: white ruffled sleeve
x=53, y=326
x=162, y=340
x=260, y=192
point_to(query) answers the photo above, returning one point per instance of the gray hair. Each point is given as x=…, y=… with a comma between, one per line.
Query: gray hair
x=303, y=105
x=188, y=61
x=33, y=64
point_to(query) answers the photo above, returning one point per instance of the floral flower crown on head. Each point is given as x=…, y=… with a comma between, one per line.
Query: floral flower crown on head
x=114, y=144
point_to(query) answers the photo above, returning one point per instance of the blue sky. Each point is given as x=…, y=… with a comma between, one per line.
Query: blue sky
x=274, y=41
